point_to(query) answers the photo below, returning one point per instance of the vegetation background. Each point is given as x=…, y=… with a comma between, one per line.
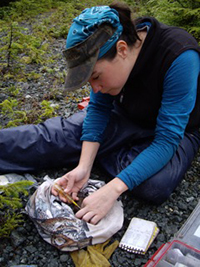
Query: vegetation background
x=29, y=27
x=29, y=30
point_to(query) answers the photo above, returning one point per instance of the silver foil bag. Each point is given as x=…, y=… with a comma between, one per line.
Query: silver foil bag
x=57, y=224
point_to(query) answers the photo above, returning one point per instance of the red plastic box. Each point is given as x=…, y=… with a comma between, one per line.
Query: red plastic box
x=84, y=103
x=184, y=249
x=176, y=254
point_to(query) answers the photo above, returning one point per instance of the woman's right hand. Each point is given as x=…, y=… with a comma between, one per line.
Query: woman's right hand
x=72, y=182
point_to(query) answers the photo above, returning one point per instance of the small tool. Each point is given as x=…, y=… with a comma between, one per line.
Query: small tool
x=60, y=190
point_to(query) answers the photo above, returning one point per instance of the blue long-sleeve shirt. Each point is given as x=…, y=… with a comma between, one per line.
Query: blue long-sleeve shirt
x=178, y=100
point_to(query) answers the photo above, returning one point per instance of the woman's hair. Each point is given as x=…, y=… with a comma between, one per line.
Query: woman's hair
x=129, y=34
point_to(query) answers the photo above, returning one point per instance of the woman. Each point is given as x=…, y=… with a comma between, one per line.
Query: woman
x=127, y=72
x=142, y=123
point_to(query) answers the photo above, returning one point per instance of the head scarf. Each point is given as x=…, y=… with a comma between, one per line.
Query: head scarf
x=88, y=21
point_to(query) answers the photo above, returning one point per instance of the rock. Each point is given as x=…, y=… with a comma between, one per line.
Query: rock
x=17, y=238
x=64, y=258
x=31, y=249
x=189, y=199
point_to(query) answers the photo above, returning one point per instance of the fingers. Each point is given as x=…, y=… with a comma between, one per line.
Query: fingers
x=53, y=191
x=63, y=199
x=89, y=216
x=70, y=184
x=97, y=205
x=61, y=182
x=74, y=196
x=95, y=219
x=89, y=213
x=58, y=191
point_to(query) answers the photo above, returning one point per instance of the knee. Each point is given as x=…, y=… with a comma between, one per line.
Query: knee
x=153, y=191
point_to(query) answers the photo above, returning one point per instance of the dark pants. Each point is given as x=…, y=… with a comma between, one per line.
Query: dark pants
x=56, y=143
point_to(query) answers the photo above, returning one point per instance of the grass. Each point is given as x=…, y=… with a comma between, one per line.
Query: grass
x=29, y=32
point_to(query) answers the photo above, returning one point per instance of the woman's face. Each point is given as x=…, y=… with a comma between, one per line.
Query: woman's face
x=109, y=76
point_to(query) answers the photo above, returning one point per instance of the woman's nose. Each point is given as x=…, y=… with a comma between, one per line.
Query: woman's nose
x=96, y=87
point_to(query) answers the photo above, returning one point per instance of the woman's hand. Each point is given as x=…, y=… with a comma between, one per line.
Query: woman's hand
x=72, y=182
x=99, y=203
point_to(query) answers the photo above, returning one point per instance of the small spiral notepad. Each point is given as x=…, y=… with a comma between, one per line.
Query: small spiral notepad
x=139, y=236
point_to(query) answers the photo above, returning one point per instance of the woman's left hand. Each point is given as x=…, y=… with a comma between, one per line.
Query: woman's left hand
x=99, y=203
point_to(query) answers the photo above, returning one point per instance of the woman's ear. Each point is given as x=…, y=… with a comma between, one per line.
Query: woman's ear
x=122, y=49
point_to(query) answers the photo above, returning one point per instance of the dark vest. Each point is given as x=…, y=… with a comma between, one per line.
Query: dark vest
x=142, y=93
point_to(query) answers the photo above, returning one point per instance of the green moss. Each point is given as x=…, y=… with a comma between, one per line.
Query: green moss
x=10, y=206
x=181, y=13
x=28, y=28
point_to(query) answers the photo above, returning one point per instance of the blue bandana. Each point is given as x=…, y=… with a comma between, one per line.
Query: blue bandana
x=88, y=21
